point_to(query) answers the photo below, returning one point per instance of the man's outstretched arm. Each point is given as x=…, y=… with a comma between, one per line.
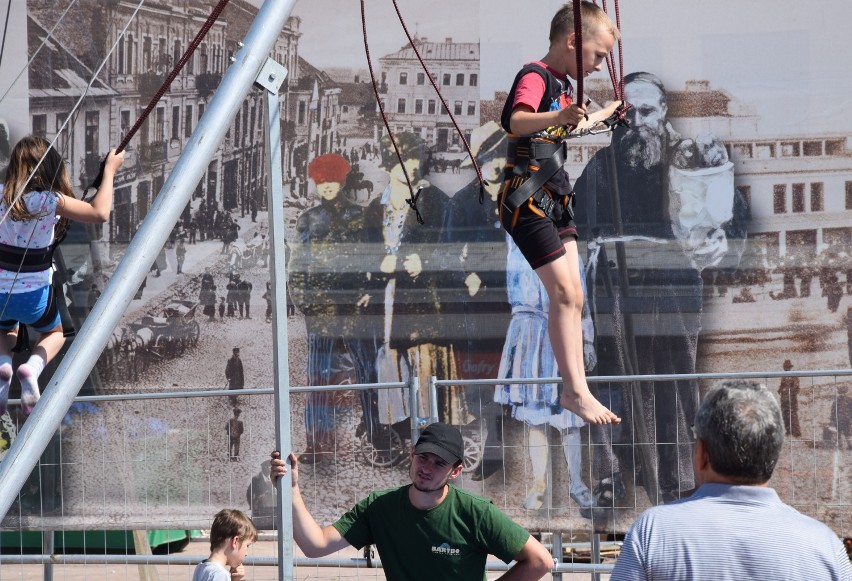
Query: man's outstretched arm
x=314, y=540
x=531, y=564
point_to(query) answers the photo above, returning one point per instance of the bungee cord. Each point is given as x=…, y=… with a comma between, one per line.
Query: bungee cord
x=76, y=105
x=414, y=195
x=443, y=102
x=617, y=118
x=5, y=30
x=193, y=45
x=412, y=201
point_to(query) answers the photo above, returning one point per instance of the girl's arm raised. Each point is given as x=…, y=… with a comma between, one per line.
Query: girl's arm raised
x=96, y=212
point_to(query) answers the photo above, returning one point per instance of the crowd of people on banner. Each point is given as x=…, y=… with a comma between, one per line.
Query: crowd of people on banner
x=209, y=222
x=790, y=277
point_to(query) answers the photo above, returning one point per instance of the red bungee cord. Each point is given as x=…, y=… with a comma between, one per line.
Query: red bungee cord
x=208, y=24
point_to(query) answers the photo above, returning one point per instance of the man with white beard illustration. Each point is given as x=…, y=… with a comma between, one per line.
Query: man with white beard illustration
x=655, y=210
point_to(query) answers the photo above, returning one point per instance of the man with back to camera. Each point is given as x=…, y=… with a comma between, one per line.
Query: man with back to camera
x=427, y=529
x=734, y=526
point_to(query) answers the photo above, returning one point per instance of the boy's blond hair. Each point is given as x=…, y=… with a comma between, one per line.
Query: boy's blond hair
x=592, y=16
x=229, y=523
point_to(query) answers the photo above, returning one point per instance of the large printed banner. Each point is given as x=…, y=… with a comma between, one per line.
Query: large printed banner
x=714, y=235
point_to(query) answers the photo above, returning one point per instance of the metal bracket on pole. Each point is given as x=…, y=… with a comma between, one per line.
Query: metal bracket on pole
x=271, y=76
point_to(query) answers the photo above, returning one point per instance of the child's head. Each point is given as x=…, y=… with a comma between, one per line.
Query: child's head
x=599, y=35
x=232, y=533
x=594, y=20
x=22, y=175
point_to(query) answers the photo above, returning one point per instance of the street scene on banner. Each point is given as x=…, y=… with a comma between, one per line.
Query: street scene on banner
x=714, y=236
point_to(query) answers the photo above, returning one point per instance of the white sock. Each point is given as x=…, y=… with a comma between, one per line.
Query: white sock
x=5, y=381
x=28, y=376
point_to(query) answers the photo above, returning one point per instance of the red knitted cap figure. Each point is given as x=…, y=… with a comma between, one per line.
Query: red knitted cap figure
x=329, y=168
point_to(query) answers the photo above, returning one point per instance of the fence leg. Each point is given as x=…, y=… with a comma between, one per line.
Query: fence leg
x=596, y=555
x=556, y=550
x=48, y=542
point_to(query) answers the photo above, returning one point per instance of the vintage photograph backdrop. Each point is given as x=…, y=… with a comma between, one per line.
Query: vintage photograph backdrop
x=715, y=233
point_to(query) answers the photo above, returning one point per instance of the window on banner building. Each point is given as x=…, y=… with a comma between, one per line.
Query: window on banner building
x=817, y=197
x=40, y=125
x=187, y=124
x=798, y=198
x=175, y=122
x=779, y=199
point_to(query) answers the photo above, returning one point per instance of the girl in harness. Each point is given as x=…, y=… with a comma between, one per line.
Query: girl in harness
x=35, y=201
x=536, y=199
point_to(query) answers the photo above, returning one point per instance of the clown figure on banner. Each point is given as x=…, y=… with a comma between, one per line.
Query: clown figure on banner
x=414, y=287
x=326, y=281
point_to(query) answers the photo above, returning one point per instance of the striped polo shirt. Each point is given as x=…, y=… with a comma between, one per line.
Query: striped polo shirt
x=725, y=532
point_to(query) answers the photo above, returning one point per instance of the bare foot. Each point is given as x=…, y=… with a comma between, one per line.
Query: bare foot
x=587, y=407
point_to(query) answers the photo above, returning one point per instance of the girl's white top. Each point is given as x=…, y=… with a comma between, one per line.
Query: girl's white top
x=37, y=233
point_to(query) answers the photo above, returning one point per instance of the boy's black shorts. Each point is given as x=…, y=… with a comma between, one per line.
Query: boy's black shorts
x=540, y=239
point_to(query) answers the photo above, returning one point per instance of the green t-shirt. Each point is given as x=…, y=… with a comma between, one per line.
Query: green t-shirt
x=450, y=541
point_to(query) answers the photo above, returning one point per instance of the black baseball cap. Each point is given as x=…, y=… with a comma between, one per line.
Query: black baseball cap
x=443, y=441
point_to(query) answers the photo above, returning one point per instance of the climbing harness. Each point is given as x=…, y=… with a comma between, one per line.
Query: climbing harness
x=535, y=159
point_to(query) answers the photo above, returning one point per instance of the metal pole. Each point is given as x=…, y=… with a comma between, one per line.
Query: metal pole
x=556, y=551
x=152, y=235
x=48, y=547
x=270, y=78
x=596, y=555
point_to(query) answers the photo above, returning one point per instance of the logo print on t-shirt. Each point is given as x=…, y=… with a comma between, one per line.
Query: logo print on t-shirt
x=445, y=549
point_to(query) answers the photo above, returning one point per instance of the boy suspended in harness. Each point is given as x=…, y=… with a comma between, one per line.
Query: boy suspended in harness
x=536, y=200
x=36, y=202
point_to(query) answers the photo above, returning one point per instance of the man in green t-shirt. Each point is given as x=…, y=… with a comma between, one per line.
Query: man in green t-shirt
x=427, y=529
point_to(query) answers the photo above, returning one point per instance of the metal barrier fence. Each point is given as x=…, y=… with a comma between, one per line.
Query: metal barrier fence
x=117, y=464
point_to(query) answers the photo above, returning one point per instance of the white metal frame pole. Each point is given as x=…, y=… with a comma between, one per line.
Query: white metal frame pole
x=270, y=78
x=34, y=437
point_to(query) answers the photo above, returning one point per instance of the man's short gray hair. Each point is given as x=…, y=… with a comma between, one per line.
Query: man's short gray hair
x=741, y=427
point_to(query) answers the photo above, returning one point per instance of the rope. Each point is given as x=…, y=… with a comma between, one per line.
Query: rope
x=413, y=201
x=211, y=20
x=578, y=53
x=5, y=29
x=617, y=80
x=443, y=102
